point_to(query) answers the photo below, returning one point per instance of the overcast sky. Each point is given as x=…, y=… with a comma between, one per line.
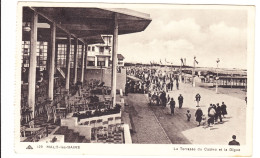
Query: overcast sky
x=177, y=33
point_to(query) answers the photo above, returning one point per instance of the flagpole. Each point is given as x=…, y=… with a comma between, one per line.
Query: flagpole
x=193, y=73
x=180, y=78
x=217, y=76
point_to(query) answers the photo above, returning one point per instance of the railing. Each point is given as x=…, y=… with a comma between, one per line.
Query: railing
x=61, y=72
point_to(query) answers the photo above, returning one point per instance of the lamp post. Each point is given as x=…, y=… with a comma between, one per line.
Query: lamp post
x=217, y=76
x=101, y=68
x=193, y=72
x=180, y=78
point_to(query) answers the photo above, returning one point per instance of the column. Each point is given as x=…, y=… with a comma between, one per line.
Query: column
x=67, y=87
x=56, y=57
x=114, y=61
x=106, y=61
x=33, y=62
x=82, y=64
x=193, y=74
x=86, y=55
x=48, y=56
x=75, y=61
x=95, y=61
x=52, y=61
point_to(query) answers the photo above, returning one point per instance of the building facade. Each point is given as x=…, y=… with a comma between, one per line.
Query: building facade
x=99, y=54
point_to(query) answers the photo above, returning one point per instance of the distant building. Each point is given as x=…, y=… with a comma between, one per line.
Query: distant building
x=120, y=60
x=99, y=54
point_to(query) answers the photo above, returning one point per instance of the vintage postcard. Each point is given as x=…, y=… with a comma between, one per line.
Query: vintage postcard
x=134, y=79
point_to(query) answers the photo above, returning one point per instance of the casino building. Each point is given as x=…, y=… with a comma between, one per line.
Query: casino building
x=69, y=91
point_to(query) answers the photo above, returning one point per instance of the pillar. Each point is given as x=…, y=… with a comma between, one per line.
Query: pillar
x=67, y=87
x=33, y=62
x=52, y=61
x=106, y=62
x=75, y=61
x=86, y=55
x=193, y=73
x=82, y=64
x=95, y=61
x=114, y=61
x=56, y=57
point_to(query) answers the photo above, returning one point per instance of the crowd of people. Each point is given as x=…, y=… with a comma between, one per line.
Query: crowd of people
x=158, y=83
x=155, y=83
x=215, y=114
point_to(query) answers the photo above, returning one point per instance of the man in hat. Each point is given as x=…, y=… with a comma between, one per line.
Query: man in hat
x=197, y=97
x=172, y=106
x=180, y=99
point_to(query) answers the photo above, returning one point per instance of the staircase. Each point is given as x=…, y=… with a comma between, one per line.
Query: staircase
x=70, y=136
x=61, y=72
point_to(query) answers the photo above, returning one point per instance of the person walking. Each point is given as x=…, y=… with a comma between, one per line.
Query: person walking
x=188, y=115
x=223, y=109
x=177, y=84
x=171, y=84
x=197, y=98
x=180, y=99
x=198, y=115
x=211, y=114
x=218, y=113
x=172, y=106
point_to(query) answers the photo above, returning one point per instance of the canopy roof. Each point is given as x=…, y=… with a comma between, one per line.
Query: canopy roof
x=84, y=23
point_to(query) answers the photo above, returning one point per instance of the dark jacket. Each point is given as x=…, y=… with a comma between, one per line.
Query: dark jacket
x=172, y=104
x=234, y=142
x=198, y=115
x=197, y=97
x=180, y=98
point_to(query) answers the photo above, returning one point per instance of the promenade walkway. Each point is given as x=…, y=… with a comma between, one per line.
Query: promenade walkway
x=177, y=128
x=147, y=129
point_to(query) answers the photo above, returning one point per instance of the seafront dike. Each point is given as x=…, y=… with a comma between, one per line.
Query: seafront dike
x=176, y=128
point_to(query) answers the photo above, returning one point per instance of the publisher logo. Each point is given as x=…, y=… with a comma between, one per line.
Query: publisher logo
x=29, y=147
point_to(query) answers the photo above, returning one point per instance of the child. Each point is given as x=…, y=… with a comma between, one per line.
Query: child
x=204, y=121
x=188, y=115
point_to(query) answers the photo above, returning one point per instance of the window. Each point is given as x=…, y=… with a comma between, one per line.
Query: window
x=42, y=48
x=101, y=63
x=41, y=54
x=93, y=49
x=79, y=55
x=101, y=50
x=71, y=56
x=25, y=53
x=62, y=55
x=91, y=63
x=89, y=48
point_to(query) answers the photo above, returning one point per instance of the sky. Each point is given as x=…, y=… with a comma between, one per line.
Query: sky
x=181, y=33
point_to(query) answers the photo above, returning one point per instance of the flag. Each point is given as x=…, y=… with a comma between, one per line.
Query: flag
x=182, y=62
x=196, y=60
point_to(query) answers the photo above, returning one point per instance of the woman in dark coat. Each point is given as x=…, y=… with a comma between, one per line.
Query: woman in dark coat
x=223, y=109
x=198, y=115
